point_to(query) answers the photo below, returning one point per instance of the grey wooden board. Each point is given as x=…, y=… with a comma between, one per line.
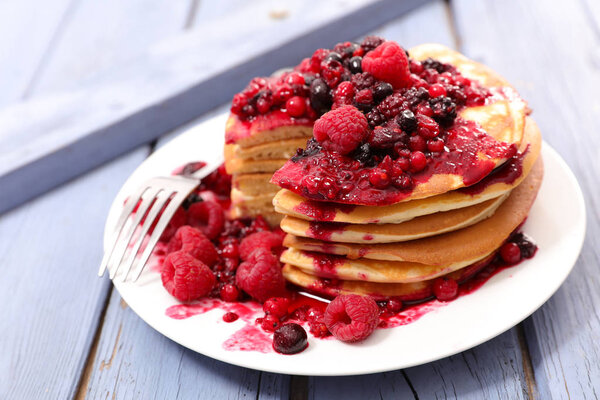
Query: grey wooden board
x=29, y=30
x=549, y=50
x=50, y=295
x=50, y=139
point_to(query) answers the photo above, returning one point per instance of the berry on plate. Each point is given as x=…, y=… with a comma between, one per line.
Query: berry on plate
x=185, y=277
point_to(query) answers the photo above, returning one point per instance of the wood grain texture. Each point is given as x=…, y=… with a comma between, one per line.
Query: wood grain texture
x=29, y=31
x=51, y=299
x=135, y=361
x=556, y=70
x=169, y=85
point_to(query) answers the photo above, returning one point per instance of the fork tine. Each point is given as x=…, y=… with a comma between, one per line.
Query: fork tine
x=159, y=229
x=124, y=243
x=127, y=210
x=161, y=199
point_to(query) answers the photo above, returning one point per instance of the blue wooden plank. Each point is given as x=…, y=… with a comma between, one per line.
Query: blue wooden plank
x=50, y=295
x=134, y=361
x=70, y=133
x=556, y=71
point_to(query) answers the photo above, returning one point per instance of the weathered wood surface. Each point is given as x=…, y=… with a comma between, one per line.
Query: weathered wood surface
x=172, y=83
x=550, y=50
x=54, y=305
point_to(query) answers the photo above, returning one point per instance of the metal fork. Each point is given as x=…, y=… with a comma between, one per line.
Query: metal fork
x=154, y=195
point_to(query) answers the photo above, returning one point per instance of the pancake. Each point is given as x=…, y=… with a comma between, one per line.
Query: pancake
x=270, y=216
x=261, y=200
x=254, y=184
x=363, y=269
x=270, y=150
x=379, y=291
x=294, y=205
x=241, y=166
x=420, y=227
x=271, y=127
x=486, y=136
x=469, y=243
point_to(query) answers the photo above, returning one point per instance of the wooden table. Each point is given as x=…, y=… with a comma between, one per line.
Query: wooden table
x=68, y=143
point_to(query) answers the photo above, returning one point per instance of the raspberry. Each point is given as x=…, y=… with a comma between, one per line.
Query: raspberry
x=207, y=216
x=259, y=240
x=186, y=278
x=276, y=306
x=342, y=129
x=192, y=241
x=388, y=62
x=260, y=276
x=352, y=318
x=445, y=289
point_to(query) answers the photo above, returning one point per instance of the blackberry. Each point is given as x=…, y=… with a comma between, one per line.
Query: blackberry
x=444, y=110
x=320, y=99
x=527, y=247
x=414, y=96
x=363, y=80
x=392, y=105
x=355, y=65
x=312, y=147
x=407, y=121
x=430, y=63
x=457, y=95
x=381, y=91
x=365, y=155
x=371, y=42
x=191, y=199
x=375, y=118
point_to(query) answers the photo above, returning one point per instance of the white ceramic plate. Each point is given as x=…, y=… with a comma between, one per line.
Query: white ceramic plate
x=556, y=222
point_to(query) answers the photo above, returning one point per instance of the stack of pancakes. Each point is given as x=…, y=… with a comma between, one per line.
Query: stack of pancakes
x=252, y=154
x=443, y=228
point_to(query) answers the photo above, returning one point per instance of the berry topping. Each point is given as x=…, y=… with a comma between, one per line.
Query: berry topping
x=260, y=275
x=388, y=62
x=259, y=240
x=207, y=216
x=185, y=277
x=269, y=323
x=510, y=253
x=319, y=96
x=352, y=318
x=341, y=130
x=445, y=289
x=277, y=307
x=369, y=43
x=290, y=339
x=192, y=241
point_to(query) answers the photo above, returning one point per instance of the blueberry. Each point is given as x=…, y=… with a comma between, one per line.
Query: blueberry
x=334, y=56
x=382, y=90
x=407, y=121
x=320, y=98
x=355, y=65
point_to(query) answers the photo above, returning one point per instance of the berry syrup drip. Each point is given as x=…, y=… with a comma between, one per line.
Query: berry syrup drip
x=507, y=173
x=322, y=211
x=324, y=230
x=325, y=264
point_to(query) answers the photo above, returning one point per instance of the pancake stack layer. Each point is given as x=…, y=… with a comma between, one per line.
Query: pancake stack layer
x=252, y=154
x=445, y=226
